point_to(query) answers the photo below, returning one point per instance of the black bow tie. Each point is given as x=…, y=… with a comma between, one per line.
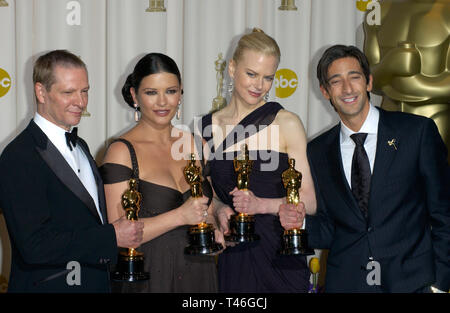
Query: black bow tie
x=72, y=138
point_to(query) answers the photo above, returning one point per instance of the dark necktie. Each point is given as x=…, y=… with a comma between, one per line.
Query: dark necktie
x=72, y=138
x=360, y=173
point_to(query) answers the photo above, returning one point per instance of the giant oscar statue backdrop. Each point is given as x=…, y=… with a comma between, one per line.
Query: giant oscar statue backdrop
x=409, y=55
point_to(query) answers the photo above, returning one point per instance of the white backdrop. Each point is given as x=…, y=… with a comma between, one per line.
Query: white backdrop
x=111, y=35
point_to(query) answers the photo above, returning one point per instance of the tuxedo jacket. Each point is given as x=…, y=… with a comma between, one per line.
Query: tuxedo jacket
x=52, y=219
x=408, y=226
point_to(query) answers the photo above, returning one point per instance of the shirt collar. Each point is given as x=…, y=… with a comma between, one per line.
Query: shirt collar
x=369, y=126
x=55, y=133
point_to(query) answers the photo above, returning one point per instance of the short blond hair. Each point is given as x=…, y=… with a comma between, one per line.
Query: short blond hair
x=257, y=41
x=43, y=70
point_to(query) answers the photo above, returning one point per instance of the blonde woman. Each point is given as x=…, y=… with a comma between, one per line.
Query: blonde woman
x=273, y=135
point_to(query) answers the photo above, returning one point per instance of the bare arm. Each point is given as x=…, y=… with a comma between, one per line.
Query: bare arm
x=293, y=136
x=292, y=140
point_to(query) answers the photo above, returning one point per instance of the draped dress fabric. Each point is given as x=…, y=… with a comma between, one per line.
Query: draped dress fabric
x=170, y=269
x=255, y=266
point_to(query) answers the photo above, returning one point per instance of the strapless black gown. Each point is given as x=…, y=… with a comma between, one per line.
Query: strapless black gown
x=170, y=269
x=255, y=267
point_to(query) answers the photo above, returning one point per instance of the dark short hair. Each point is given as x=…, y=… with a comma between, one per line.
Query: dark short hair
x=337, y=52
x=151, y=63
x=44, y=66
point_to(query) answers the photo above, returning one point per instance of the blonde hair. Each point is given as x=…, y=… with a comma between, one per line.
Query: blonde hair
x=43, y=70
x=257, y=41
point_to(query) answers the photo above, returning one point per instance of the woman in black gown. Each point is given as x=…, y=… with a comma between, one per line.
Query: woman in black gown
x=145, y=152
x=273, y=135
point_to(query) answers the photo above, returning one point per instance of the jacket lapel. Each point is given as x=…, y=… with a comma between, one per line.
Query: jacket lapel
x=388, y=142
x=56, y=162
x=98, y=179
x=337, y=173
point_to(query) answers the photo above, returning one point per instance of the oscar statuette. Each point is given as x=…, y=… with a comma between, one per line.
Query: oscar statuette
x=130, y=265
x=219, y=101
x=156, y=6
x=287, y=5
x=295, y=241
x=242, y=225
x=201, y=236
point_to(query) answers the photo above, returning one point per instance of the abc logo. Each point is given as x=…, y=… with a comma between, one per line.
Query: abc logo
x=5, y=82
x=286, y=82
x=362, y=5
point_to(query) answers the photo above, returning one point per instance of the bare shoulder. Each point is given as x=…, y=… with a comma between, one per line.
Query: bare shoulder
x=118, y=153
x=289, y=122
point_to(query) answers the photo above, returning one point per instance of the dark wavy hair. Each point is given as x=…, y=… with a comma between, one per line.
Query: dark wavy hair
x=337, y=52
x=151, y=63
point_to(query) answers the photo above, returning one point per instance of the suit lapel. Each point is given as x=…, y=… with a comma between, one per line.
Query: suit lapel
x=56, y=162
x=337, y=173
x=384, y=156
x=98, y=180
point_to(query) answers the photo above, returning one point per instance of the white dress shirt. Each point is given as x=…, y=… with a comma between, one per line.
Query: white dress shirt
x=370, y=126
x=76, y=158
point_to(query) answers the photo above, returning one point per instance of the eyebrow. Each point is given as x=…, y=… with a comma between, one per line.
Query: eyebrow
x=250, y=70
x=72, y=89
x=149, y=88
x=349, y=73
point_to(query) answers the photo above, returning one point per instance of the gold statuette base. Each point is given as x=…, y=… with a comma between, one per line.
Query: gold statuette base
x=202, y=240
x=242, y=228
x=130, y=267
x=295, y=242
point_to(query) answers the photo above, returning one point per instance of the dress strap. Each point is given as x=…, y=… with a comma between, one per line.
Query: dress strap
x=134, y=161
x=260, y=118
x=205, y=129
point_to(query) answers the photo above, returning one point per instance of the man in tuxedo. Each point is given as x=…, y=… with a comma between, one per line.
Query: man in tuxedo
x=52, y=195
x=383, y=190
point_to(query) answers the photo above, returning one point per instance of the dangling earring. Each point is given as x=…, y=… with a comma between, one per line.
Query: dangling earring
x=230, y=88
x=266, y=97
x=136, y=113
x=178, y=116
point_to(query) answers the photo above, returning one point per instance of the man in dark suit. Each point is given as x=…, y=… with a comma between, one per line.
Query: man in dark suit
x=382, y=186
x=52, y=195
